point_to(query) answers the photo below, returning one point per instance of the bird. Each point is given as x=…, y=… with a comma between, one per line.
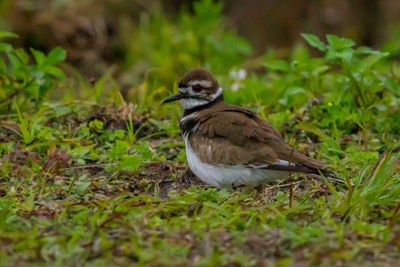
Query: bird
x=228, y=145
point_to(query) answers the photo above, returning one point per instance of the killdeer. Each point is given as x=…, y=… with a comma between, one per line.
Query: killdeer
x=228, y=145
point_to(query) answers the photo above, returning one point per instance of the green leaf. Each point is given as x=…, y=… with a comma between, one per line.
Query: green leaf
x=130, y=163
x=4, y=34
x=120, y=134
x=40, y=58
x=96, y=124
x=38, y=75
x=56, y=56
x=15, y=62
x=331, y=55
x=22, y=55
x=319, y=70
x=347, y=54
x=366, y=50
x=119, y=149
x=391, y=84
x=5, y=47
x=368, y=62
x=80, y=151
x=336, y=42
x=314, y=41
x=54, y=71
x=144, y=150
x=277, y=65
x=295, y=91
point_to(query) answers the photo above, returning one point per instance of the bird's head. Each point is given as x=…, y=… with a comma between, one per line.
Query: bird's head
x=197, y=87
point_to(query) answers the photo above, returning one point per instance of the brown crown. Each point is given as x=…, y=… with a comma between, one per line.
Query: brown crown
x=199, y=74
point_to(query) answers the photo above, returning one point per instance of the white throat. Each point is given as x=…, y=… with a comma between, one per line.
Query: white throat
x=189, y=103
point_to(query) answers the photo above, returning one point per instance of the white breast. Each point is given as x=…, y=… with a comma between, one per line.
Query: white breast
x=222, y=176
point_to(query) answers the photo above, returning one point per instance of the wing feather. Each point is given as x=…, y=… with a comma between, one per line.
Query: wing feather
x=241, y=137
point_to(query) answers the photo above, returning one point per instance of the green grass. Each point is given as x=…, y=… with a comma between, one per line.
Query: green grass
x=89, y=178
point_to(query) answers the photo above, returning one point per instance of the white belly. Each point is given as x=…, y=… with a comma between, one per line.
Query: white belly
x=222, y=176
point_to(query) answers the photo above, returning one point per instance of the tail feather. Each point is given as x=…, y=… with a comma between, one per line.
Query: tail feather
x=316, y=172
x=331, y=176
x=305, y=164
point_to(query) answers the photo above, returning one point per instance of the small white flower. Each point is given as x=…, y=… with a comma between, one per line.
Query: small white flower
x=241, y=74
x=235, y=86
x=238, y=77
x=233, y=74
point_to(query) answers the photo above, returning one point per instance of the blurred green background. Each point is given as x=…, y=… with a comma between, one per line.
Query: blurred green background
x=141, y=49
x=123, y=35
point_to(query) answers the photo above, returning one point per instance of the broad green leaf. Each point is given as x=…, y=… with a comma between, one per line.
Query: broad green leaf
x=319, y=70
x=391, y=84
x=56, y=56
x=37, y=73
x=336, y=42
x=96, y=124
x=232, y=41
x=54, y=71
x=4, y=34
x=22, y=55
x=120, y=134
x=367, y=50
x=80, y=151
x=277, y=65
x=15, y=61
x=368, y=62
x=295, y=91
x=314, y=41
x=331, y=55
x=300, y=54
x=39, y=56
x=346, y=54
x=4, y=47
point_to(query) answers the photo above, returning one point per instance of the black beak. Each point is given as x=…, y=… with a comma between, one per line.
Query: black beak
x=175, y=97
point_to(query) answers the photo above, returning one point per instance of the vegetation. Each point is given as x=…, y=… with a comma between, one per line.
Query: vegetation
x=89, y=177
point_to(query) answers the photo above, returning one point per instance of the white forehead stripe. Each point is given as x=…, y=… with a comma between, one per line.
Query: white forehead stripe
x=202, y=83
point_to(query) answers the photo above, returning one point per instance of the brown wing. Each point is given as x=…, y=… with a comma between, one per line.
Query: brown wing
x=242, y=137
x=218, y=149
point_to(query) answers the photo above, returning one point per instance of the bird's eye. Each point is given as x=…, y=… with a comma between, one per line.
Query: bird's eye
x=196, y=88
